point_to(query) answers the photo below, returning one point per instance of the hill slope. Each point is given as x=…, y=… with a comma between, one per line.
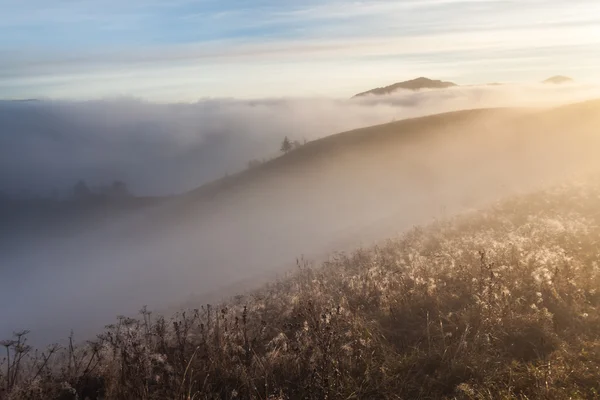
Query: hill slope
x=522, y=126
x=501, y=303
x=337, y=193
x=414, y=84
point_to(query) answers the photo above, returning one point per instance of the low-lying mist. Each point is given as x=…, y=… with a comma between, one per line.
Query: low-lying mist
x=328, y=195
x=157, y=149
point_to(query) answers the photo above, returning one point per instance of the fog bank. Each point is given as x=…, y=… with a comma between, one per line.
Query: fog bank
x=329, y=195
x=157, y=149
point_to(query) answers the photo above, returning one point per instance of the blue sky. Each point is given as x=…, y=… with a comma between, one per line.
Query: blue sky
x=188, y=49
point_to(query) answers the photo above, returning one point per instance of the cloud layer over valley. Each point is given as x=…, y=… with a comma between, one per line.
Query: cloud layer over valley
x=46, y=146
x=329, y=195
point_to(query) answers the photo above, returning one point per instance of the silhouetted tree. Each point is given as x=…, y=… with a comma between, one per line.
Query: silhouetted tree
x=286, y=145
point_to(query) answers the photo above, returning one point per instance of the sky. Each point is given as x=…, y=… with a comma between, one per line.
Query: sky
x=185, y=50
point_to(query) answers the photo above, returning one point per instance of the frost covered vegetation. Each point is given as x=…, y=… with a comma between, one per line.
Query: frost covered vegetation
x=491, y=305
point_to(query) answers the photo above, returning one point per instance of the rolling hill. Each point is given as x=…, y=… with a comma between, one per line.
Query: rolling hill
x=334, y=194
x=414, y=84
x=383, y=143
x=426, y=83
x=452, y=310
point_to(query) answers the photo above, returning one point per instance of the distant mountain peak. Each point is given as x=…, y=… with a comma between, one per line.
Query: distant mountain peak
x=558, y=79
x=414, y=84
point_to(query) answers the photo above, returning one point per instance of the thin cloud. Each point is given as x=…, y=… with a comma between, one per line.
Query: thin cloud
x=232, y=37
x=214, y=69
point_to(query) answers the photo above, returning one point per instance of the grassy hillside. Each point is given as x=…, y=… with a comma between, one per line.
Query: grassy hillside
x=400, y=147
x=512, y=122
x=423, y=153
x=338, y=193
x=496, y=304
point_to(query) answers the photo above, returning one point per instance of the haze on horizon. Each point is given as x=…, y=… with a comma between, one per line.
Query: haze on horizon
x=184, y=50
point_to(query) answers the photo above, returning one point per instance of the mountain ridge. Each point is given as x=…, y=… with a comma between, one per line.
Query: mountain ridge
x=413, y=84
x=427, y=83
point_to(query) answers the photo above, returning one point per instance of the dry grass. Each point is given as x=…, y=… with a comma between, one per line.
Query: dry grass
x=495, y=305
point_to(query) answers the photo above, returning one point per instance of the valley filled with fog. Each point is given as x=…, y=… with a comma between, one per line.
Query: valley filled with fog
x=334, y=193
